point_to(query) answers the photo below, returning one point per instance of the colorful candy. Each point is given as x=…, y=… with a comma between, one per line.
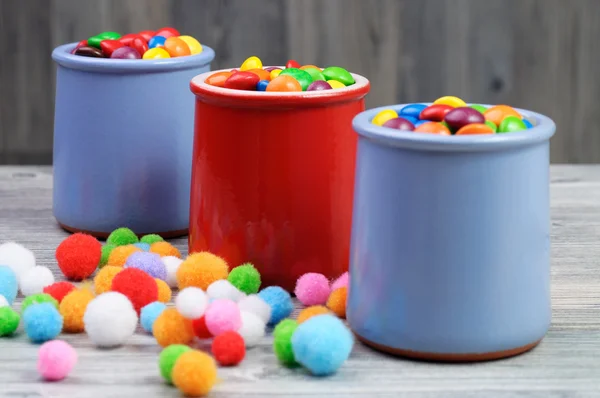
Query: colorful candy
x=242, y=81
x=461, y=116
x=301, y=76
x=157, y=41
x=339, y=74
x=156, y=53
x=125, y=53
x=284, y=83
x=399, y=123
x=319, y=85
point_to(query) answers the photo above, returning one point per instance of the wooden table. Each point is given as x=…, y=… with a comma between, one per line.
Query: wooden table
x=565, y=364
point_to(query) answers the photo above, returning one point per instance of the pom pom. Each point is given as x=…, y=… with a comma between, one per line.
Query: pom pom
x=119, y=255
x=151, y=238
x=164, y=291
x=341, y=281
x=104, y=278
x=252, y=330
x=78, y=256
x=322, y=344
x=191, y=302
x=195, y=373
x=16, y=257
x=59, y=290
x=200, y=270
x=72, y=308
x=167, y=358
x=9, y=321
x=56, y=359
x=282, y=342
x=200, y=329
x=149, y=263
x=150, y=313
x=223, y=289
x=35, y=280
x=110, y=320
x=105, y=254
x=8, y=283
x=139, y=287
x=165, y=249
x=337, y=301
x=42, y=322
x=312, y=289
x=172, y=265
x=256, y=305
x=38, y=299
x=246, y=278
x=309, y=312
x=122, y=237
x=222, y=316
x=142, y=246
x=280, y=302
x=3, y=302
x=228, y=348
x=172, y=328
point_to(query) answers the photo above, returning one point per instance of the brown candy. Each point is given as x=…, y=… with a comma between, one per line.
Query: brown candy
x=87, y=51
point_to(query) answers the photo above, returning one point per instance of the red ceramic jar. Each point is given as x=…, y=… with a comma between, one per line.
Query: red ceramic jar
x=273, y=178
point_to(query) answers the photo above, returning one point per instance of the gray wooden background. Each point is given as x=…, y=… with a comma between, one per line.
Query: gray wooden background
x=542, y=55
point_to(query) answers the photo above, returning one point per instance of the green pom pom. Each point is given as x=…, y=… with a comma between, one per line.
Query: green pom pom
x=9, y=321
x=37, y=299
x=282, y=342
x=167, y=359
x=122, y=237
x=246, y=278
x=106, y=250
x=152, y=238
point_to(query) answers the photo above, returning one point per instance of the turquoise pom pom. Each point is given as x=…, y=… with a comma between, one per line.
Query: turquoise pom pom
x=280, y=302
x=42, y=322
x=8, y=284
x=149, y=314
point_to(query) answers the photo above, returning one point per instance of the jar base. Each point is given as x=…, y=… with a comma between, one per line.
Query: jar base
x=104, y=235
x=448, y=357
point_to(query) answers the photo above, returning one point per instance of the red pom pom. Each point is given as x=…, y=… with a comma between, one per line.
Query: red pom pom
x=200, y=329
x=59, y=290
x=139, y=287
x=78, y=256
x=229, y=348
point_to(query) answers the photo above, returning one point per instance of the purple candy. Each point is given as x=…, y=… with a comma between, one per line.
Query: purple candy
x=125, y=53
x=399, y=123
x=319, y=85
x=149, y=263
x=459, y=117
x=270, y=68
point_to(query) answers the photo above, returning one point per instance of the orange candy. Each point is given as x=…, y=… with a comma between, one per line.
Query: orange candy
x=432, y=128
x=337, y=301
x=496, y=114
x=218, y=79
x=309, y=312
x=475, y=128
x=284, y=83
x=261, y=73
x=310, y=66
x=176, y=47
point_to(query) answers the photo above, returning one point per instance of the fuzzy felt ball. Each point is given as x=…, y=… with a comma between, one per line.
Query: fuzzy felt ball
x=229, y=348
x=165, y=249
x=72, y=308
x=200, y=270
x=252, y=330
x=312, y=289
x=256, y=305
x=195, y=373
x=223, y=289
x=16, y=257
x=104, y=277
x=9, y=321
x=3, y=302
x=151, y=238
x=172, y=265
x=56, y=359
x=142, y=246
x=337, y=301
x=105, y=254
x=223, y=315
x=9, y=284
x=164, y=291
x=149, y=263
x=110, y=320
x=246, y=278
x=119, y=255
x=78, y=256
x=282, y=342
x=150, y=313
x=311, y=311
x=35, y=280
x=191, y=302
x=122, y=237
x=341, y=281
x=59, y=290
x=139, y=287
x=42, y=322
x=322, y=344
x=172, y=328
x=200, y=329
x=167, y=358
x=280, y=302
x=38, y=299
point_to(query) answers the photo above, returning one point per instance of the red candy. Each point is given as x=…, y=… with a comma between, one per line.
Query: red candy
x=435, y=112
x=109, y=46
x=78, y=256
x=82, y=43
x=59, y=290
x=229, y=349
x=139, y=287
x=292, y=64
x=200, y=329
x=242, y=81
x=167, y=32
x=127, y=39
x=139, y=44
x=147, y=34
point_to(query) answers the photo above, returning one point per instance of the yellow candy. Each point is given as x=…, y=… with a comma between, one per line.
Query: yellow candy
x=383, y=116
x=275, y=73
x=336, y=84
x=193, y=44
x=156, y=53
x=449, y=100
x=251, y=63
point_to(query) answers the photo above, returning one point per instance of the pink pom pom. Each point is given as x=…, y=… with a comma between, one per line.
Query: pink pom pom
x=56, y=359
x=312, y=289
x=221, y=316
x=341, y=281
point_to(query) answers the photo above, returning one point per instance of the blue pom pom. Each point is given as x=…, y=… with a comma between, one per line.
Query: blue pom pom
x=144, y=246
x=8, y=284
x=322, y=344
x=280, y=302
x=149, y=314
x=42, y=322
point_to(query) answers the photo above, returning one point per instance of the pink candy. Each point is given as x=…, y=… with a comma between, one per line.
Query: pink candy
x=221, y=316
x=312, y=289
x=56, y=359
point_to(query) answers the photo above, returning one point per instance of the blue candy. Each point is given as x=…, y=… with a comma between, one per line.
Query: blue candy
x=156, y=41
x=262, y=85
x=149, y=314
x=322, y=344
x=8, y=284
x=412, y=110
x=280, y=302
x=42, y=322
x=144, y=246
x=527, y=123
x=411, y=119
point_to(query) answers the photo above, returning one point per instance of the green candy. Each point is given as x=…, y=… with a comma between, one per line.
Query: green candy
x=282, y=342
x=246, y=278
x=94, y=41
x=339, y=74
x=315, y=74
x=152, y=238
x=510, y=124
x=106, y=250
x=479, y=108
x=443, y=123
x=167, y=359
x=492, y=125
x=303, y=77
x=9, y=321
x=37, y=299
x=122, y=237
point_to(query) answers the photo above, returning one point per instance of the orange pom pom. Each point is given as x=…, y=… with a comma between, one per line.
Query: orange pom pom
x=119, y=255
x=337, y=301
x=164, y=291
x=200, y=270
x=309, y=312
x=172, y=328
x=72, y=308
x=194, y=373
x=104, y=278
x=164, y=249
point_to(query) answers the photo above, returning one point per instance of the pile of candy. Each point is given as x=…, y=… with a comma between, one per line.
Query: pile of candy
x=164, y=43
x=293, y=77
x=452, y=116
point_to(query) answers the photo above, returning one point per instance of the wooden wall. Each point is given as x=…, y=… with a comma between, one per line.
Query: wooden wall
x=542, y=55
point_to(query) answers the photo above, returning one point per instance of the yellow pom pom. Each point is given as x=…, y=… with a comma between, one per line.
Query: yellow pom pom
x=120, y=254
x=165, y=249
x=200, y=270
x=194, y=373
x=172, y=328
x=164, y=291
x=309, y=312
x=337, y=301
x=72, y=308
x=103, y=279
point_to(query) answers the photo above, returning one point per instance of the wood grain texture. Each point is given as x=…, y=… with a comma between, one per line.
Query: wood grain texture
x=565, y=364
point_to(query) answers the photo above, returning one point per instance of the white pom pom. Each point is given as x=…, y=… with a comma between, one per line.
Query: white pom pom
x=110, y=319
x=223, y=289
x=254, y=304
x=252, y=330
x=35, y=280
x=17, y=257
x=172, y=264
x=191, y=302
x=3, y=302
